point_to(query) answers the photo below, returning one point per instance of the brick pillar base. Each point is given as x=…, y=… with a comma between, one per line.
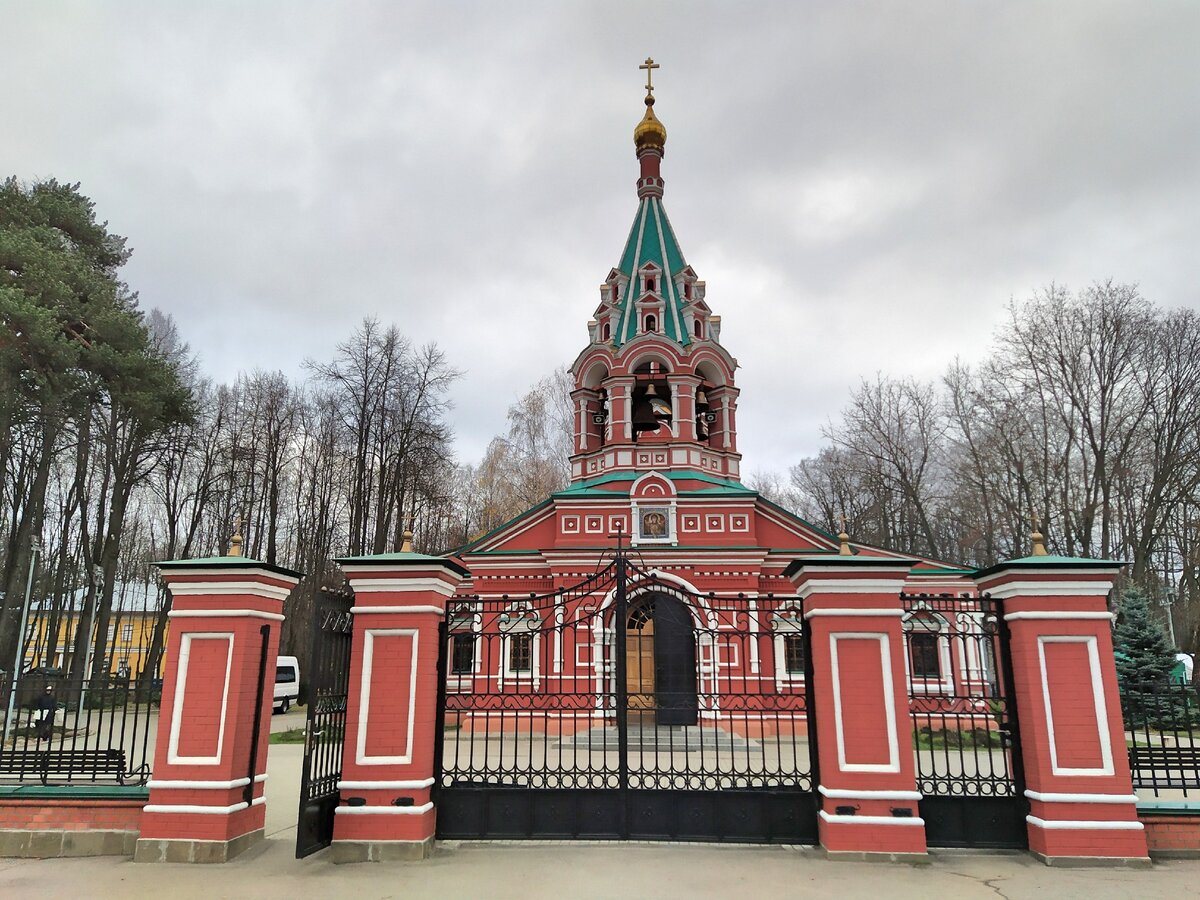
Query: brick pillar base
x=864, y=731
x=206, y=796
x=386, y=810
x=1082, y=806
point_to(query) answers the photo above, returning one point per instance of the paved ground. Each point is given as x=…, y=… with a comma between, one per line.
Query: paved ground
x=530, y=871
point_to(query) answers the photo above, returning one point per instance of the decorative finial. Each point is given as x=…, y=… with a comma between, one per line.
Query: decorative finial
x=649, y=65
x=406, y=547
x=844, y=540
x=650, y=133
x=1039, y=546
x=235, y=542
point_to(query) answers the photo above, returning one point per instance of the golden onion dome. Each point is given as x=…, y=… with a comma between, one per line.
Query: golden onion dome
x=650, y=132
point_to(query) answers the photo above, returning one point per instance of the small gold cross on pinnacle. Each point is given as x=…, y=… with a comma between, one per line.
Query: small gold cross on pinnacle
x=649, y=65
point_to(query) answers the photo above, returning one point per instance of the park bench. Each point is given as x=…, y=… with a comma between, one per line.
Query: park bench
x=77, y=764
x=1160, y=766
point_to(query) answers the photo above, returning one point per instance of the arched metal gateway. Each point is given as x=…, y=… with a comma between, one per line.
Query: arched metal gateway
x=625, y=706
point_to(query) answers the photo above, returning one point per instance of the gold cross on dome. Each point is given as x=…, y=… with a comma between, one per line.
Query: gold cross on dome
x=649, y=65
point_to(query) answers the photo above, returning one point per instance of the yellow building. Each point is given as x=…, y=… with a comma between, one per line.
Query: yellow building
x=127, y=643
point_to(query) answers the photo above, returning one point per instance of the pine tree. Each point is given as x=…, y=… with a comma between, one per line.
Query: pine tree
x=1144, y=661
x=1144, y=656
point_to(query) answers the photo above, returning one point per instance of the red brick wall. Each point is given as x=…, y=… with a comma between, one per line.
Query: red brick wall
x=43, y=814
x=1172, y=833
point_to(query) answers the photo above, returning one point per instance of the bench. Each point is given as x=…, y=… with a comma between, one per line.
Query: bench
x=84, y=764
x=1165, y=766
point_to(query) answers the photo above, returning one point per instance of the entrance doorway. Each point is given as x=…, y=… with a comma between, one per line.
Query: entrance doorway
x=660, y=662
x=639, y=667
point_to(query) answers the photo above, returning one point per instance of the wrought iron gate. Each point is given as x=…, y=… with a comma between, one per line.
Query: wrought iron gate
x=325, y=730
x=625, y=707
x=968, y=757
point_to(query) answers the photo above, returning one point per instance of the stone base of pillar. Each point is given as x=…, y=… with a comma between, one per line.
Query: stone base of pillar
x=1093, y=862
x=380, y=851
x=919, y=859
x=160, y=850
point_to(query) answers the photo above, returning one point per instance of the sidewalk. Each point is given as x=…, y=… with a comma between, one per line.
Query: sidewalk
x=570, y=870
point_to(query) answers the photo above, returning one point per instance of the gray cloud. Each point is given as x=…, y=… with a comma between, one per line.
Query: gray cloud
x=863, y=186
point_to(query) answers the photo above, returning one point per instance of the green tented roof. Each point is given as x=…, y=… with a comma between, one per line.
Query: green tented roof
x=652, y=239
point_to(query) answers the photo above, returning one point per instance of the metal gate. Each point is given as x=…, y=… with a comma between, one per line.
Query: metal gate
x=625, y=707
x=325, y=730
x=967, y=748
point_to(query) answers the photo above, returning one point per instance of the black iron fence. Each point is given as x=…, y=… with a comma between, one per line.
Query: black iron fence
x=63, y=728
x=1162, y=734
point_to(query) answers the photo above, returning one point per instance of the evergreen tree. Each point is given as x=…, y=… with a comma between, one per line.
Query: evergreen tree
x=1149, y=702
x=1144, y=656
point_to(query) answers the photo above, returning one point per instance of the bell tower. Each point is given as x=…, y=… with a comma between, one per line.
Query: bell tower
x=654, y=388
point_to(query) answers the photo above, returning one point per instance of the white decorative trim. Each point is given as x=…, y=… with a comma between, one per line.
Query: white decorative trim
x=191, y=808
x=872, y=820
x=1088, y=824
x=814, y=613
x=853, y=586
x=364, y=705
x=889, y=702
x=1065, y=614
x=224, y=588
x=360, y=610
x=365, y=585
x=180, y=785
x=384, y=810
x=1102, y=730
x=385, y=785
x=224, y=614
x=1081, y=798
x=835, y=794
x=177, y=708
x=1050, y=589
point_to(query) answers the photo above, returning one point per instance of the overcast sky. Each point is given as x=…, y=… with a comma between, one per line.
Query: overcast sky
x=863, y=186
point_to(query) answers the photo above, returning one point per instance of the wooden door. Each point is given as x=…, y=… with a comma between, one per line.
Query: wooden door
x=639, y=669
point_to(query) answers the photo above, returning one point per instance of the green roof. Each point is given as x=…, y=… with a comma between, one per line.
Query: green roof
x=652, y=240
x=584, y=487
x=225, y=562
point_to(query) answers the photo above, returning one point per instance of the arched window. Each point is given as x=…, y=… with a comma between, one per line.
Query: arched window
x=606, y=332
x=698, y=328
x=651, y=323
x=650, y=284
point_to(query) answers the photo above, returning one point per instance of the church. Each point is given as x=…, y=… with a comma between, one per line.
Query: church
x=657, y=652
x=656, y=466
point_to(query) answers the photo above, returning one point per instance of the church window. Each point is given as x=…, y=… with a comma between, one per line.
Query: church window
x=606, y=331
x=462, y=653
x=698, y=329
x=793, y=654
x=926, y=655
x=651, y=324
x=520, y=653
x=650, y=284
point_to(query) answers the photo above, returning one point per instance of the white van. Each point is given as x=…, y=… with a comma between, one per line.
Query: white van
x=287, y=682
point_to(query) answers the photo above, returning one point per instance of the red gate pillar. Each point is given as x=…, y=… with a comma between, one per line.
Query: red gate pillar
x=860, y=696
x=386, y=810
x=207, y=799
x=1082, y=805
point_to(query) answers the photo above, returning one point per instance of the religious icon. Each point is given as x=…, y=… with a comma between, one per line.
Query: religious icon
x=654, y=524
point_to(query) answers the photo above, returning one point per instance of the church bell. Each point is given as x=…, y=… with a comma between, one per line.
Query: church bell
x=650, y=411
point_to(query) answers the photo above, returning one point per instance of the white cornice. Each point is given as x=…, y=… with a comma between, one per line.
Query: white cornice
x=1049, y=589
x=227, y=588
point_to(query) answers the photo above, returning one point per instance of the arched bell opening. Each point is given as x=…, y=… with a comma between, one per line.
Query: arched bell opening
x=660, y=662
x=651, y=399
